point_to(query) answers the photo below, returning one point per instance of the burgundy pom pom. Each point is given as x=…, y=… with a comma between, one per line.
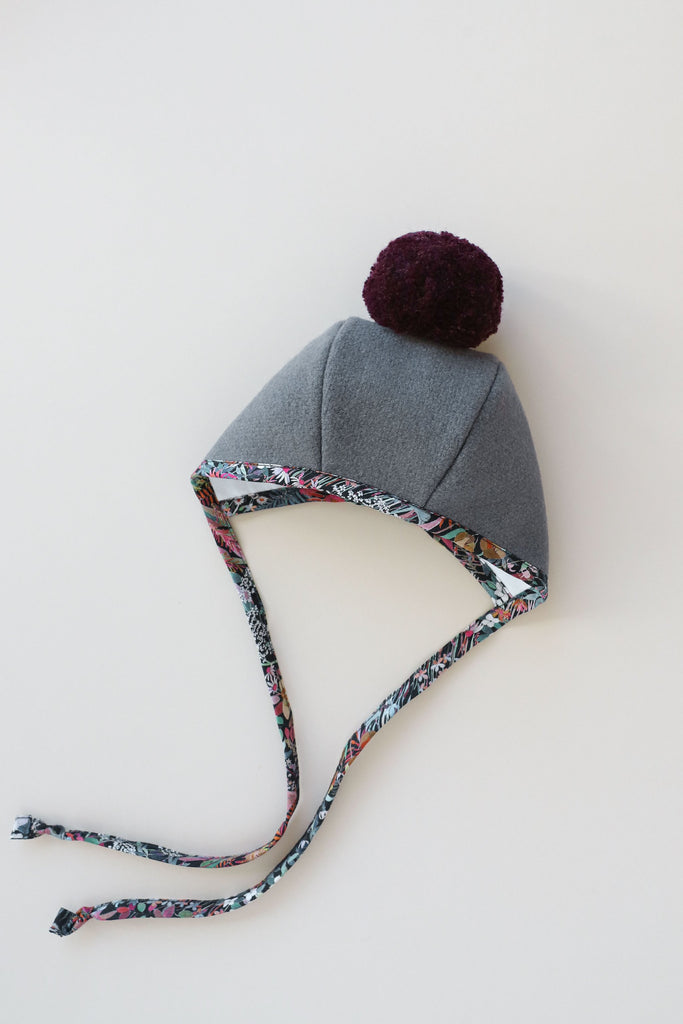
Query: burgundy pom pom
x=435, y=285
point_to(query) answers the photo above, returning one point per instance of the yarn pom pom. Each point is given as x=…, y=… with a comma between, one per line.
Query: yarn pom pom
x=435, y=285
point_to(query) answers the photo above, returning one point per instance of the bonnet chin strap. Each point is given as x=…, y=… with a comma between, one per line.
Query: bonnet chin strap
x=67, y=921
x=30, y=828
x=507, y=607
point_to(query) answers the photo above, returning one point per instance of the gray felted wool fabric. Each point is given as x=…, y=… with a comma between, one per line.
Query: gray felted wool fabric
x=441, y=428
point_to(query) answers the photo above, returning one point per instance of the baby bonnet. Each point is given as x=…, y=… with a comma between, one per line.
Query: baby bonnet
x=398, y=413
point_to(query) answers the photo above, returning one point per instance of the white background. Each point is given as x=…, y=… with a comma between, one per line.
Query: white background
x=190, y=192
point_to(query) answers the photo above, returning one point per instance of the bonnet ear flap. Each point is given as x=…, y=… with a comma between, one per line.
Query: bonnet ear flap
x=495, y=481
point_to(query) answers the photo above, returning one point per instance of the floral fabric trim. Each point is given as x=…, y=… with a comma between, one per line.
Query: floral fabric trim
x=476, y=553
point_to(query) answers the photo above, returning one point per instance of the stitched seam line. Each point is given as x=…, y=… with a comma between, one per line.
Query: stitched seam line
x=322, y=390
x=466, y=439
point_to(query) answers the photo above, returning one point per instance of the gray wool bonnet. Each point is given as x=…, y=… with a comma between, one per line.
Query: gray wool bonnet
x=399, y=414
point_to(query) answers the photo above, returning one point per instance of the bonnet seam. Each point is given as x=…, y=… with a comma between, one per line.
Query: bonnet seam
x=465, y=439
x=322, y=388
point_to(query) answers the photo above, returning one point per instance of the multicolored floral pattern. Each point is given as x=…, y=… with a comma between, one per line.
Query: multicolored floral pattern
x=476, y=553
